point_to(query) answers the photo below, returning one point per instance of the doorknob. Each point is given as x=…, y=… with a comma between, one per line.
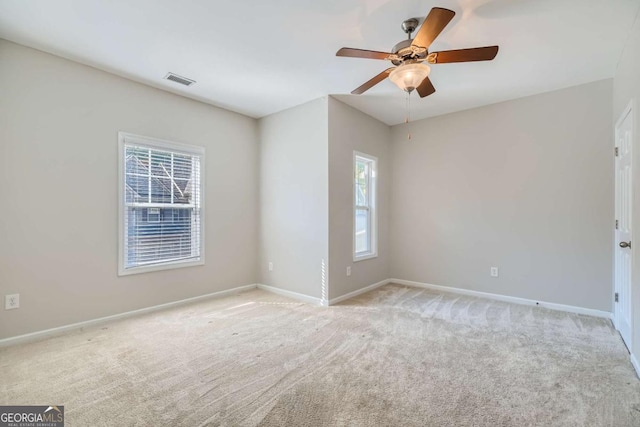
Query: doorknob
x=625, y=244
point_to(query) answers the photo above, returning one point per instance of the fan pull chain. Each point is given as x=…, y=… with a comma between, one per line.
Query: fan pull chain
x=408, y=116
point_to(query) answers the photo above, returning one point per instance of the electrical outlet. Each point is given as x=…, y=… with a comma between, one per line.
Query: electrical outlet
x=11, y=301
x=349, y=271
x=270, y=266
x=494, y=271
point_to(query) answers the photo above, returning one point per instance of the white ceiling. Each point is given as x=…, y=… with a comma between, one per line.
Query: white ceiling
x=258, y=57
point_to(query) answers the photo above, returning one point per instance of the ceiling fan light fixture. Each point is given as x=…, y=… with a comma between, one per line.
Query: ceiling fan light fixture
x=409, y=76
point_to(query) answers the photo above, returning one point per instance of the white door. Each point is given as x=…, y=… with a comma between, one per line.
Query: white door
x=623, y=246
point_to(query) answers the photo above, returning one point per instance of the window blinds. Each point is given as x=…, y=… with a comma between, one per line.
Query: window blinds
x=162, y=204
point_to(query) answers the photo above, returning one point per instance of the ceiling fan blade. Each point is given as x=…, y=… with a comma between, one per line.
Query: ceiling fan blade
x=362, y=53
x=426, y=88
x=432, y=26
x=371, y=83
x=463, y=55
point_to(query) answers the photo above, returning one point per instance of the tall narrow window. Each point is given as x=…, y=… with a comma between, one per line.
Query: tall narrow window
x=364, y=207
x=161, y=204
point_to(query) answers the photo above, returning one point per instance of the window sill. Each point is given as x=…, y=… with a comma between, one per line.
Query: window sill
x=363, y=257
x=160, y=267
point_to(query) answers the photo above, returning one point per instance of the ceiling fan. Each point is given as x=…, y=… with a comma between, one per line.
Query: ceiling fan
x=408, y=56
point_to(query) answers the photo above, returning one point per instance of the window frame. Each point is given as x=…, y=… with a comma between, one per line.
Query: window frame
x=125, y=138
x=373, y=211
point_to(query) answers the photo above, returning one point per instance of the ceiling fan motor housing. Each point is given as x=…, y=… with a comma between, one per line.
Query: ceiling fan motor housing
x=407, y=53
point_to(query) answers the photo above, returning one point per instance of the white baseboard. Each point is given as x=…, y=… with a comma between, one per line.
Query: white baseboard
x=358, y=292
x=48, y=333
x=292, y=295
x=505, y=298
x=635, y=364
x=34, y=336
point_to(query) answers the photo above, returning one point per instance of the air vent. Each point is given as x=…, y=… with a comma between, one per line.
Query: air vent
x=179, y=79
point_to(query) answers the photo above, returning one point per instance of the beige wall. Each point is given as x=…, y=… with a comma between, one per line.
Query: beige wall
x=525, y=185
x=349, y=130
x=293, y=199
x=626, y=86
x=306, y=198
x=59, y=124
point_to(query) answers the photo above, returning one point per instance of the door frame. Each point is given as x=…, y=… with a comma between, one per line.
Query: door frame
x=630, y=109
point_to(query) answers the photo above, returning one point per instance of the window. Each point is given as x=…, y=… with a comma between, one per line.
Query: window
x=364, y=207
x=161, y=205
x=153, y=215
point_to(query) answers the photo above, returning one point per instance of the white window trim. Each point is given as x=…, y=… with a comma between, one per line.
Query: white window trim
x=373, y=209
x=124, y=137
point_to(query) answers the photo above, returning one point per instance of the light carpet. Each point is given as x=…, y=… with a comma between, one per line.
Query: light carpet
x=396, y=356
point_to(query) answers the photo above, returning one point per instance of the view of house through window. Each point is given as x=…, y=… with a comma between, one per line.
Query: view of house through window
x=162, y=204
x=364, y=242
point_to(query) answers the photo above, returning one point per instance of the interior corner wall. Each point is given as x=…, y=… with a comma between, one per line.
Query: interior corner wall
x=59, y=124
x=525, y=185
x=349, y=130
x=294, y=199
x=626, y=87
